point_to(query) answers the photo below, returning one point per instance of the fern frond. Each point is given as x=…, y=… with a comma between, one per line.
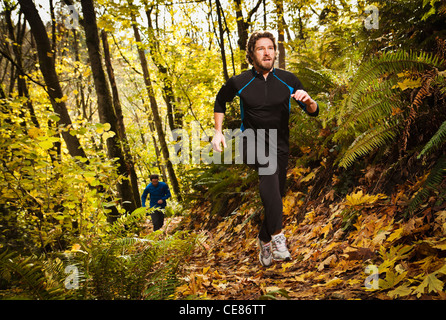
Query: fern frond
x=435, y=142
x=124, y=221
x=435, y=178
x=162, y=286
x=389, y=63
x=30, y=273
x=316, y=77
x=372, y=139
x=374, y=107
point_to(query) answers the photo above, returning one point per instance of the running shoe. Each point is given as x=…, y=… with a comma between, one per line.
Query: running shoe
x=265, y=255
x=279, y=248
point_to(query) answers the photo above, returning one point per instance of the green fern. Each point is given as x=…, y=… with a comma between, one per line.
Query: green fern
x=434, y=179
x=138, y=268
x=368, y=110
x=370, y=140
x=28, y=273
x=127, y=223
x=390, y=63
x=375, y=104
x=314, y=75
x=435, y=142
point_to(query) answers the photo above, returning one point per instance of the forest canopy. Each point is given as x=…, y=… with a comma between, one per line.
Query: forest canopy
x=95, y=96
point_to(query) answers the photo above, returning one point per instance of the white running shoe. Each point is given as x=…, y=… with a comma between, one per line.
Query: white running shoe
x=265, y=254
x=280, y=251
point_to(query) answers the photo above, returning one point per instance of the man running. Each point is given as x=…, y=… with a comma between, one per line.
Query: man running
x=265, y=103
x=159, y=193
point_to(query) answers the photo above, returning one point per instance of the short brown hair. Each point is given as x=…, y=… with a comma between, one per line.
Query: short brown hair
x=250, y=46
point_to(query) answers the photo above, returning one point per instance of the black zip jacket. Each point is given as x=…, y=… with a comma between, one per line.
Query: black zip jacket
x=264, y=103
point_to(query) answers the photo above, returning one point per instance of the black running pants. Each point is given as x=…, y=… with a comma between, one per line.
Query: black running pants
x=272, y=189
x=157, y=219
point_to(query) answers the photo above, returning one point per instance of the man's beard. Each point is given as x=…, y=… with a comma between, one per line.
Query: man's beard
x=265, y=65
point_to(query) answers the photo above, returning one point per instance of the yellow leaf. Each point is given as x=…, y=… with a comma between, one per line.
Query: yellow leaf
x=309, y=217
x=300, y=278
x=400, y=291
x=409, y=83
x=359, y=198
x=108, y=134
x=310, y=176
x=380, y=237
x=107, y=126
x=45, y=144
x=325, y=230
x=272, y=288
x=287, y=265
x=305, y=149
x=334, y=282
x=63, y=99
x=34, y=132
x=392, y=279
x=75, y=247
x=206, y=269
x=395, y=235
x=431, y=283
x=217, y=275
x=440, y=245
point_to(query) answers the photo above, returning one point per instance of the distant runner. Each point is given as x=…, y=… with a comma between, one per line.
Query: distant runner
x=265, y=103
x=159, y=193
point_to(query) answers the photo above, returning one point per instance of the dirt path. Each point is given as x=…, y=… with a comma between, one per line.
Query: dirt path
x=228, y=268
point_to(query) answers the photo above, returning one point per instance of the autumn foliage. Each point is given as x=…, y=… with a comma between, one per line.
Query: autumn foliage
x=87, y=114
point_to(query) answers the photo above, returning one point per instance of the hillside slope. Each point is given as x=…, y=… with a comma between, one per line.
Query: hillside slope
x=356, y=247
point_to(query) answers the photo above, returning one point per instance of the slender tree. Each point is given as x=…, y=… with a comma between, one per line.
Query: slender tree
x=243, y=27
x=105, y=103
x=47, y=67
x=17, y=49
x=155, y=110
x=281, y=33
x=120, y=121
x=174, y=117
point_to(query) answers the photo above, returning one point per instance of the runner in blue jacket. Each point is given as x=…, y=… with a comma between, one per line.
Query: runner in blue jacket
x=159, y=193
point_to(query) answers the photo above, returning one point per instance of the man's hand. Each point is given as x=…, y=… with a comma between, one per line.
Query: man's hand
x=217, y=140
x=303, y=96
x=160, y=201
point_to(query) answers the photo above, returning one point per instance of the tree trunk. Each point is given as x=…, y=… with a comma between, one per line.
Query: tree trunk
x=48, y=70
x=154, y=107
x=222, y=41
x=243, y=27
x=130, y=164
x=21, y=82
x=105, y=103
x=281, y=33
x=167, y=88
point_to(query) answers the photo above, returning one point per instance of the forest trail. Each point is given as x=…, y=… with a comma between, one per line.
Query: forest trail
x=378, y=256
x=226, y=266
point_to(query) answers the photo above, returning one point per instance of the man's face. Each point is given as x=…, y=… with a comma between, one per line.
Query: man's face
x=155, y=182
x=264, y=54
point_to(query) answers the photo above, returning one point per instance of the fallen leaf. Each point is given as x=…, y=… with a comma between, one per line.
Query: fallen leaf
x=400, y=291
x=431, y=282
x=331, y=259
